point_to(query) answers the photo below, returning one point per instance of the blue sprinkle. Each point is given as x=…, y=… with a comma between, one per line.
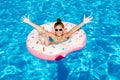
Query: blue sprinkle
x=63, y=49
x=69, y=41
x=53, y=46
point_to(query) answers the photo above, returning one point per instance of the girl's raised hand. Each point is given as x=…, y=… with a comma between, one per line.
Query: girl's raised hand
x=25, y=19
x=87, y=19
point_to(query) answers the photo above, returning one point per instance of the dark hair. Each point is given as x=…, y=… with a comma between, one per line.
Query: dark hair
x=59, y=22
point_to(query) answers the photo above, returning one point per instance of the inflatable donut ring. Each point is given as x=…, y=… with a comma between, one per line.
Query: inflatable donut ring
x=55, y=51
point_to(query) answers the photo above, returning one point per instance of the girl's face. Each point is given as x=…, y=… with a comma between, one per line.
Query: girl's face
x=58, y=30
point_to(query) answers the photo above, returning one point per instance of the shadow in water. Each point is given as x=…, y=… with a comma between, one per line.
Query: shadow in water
x=62, y=71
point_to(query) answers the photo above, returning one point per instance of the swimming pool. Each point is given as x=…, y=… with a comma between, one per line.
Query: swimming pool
x=98, y=60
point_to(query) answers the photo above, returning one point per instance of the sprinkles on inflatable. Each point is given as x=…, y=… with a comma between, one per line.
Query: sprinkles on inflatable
x=55, y=51
x=55, y=40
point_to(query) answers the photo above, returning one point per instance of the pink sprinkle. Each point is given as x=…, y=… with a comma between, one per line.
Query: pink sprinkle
x=37, y=42
x=53, y=30
x=32, y=36
x=66, y=24
x=80, y=36
x=76, y=32
x=51, y=52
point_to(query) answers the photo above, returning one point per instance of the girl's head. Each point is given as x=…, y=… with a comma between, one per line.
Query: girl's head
x=59, y=27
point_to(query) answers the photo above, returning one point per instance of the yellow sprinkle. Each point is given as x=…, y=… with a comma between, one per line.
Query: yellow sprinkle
x=76, y=40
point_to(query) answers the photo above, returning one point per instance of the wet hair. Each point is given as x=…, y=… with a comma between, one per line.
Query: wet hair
x=59, y=22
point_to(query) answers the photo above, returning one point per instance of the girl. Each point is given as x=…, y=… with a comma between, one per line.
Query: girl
x=59, y=28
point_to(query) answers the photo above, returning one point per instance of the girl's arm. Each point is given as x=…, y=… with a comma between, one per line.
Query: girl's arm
x=85, y=21
x=27, y=20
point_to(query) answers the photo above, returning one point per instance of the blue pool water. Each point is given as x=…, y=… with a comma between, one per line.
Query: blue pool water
x=98, y=60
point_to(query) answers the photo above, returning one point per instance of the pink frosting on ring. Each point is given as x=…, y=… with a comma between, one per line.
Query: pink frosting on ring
x=59, y=51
